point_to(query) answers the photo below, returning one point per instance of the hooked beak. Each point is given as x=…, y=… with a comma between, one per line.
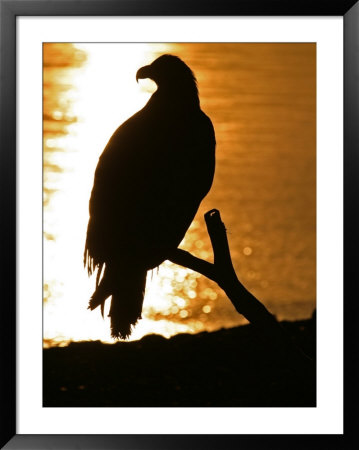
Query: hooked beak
x=144, y=72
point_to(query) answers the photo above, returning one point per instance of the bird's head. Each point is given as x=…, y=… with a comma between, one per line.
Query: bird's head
x=169, y=73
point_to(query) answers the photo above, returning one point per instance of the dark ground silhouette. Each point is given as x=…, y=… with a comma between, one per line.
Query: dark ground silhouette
x=230, y=367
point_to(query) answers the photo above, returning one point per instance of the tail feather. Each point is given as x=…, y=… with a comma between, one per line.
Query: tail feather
x=102, y=292
x=126, y=303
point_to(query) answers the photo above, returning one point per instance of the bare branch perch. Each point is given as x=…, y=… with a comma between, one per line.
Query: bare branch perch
x=223, y=273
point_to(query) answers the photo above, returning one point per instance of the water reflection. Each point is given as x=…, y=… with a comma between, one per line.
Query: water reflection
x=261, y=99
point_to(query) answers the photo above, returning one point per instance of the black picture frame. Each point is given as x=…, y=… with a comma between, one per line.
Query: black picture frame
x=9, y=10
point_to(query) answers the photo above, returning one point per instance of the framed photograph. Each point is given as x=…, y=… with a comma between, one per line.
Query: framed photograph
x=243, y=221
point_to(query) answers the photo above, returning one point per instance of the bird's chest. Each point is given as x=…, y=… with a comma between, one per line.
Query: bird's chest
x=173, y=139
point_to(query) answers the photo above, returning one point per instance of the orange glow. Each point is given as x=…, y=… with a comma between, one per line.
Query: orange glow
x=261, y=99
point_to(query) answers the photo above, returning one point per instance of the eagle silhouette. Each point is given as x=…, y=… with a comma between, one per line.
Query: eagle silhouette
x=149, y=182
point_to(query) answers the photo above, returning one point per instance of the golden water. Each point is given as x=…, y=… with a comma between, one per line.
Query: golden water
x=261, y=99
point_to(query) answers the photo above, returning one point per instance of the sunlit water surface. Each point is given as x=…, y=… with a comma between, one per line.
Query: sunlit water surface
x=261, y=99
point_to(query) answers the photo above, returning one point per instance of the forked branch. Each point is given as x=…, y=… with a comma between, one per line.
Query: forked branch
x=222, y=272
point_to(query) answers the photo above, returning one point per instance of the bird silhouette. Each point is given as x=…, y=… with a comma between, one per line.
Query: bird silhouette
x=149, y=182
